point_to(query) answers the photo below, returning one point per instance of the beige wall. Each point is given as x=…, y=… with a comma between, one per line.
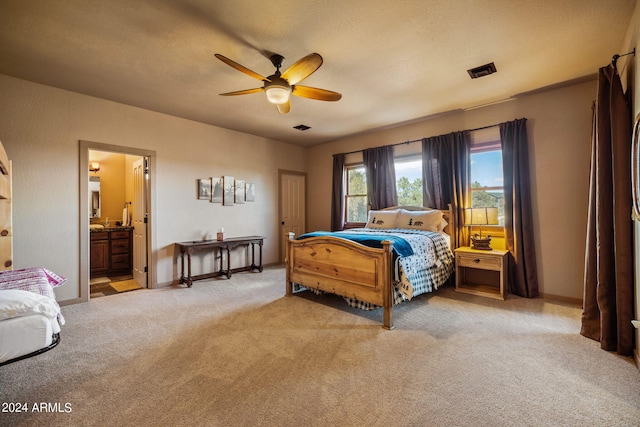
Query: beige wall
x=41, y=129
x=113, y=184
x=559, y=123
x=630, y=75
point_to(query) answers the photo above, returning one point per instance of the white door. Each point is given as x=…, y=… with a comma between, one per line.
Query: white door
x=139, y=221
x=292, y=207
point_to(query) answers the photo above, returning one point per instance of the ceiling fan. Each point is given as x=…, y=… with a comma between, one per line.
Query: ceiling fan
x=279, y=86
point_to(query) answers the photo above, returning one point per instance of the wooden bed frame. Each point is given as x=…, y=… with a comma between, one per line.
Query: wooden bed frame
x=6, y=234
x=347, y=268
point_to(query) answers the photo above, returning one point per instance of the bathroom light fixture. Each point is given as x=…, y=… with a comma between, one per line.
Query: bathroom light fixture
x=94, y=166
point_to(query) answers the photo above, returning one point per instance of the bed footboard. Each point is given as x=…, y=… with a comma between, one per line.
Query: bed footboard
x=342, y=267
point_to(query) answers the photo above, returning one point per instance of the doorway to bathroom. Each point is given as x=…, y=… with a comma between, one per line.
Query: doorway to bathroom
x=116, y=256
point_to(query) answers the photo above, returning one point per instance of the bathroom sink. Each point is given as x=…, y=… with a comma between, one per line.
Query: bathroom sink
x=95, y=226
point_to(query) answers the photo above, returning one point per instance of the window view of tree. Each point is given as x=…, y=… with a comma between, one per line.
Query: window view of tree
x=486, y=181
x=409, y=181
x=409, y=192
x=356, y=197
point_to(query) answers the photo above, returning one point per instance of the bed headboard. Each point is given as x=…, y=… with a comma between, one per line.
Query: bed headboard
x=446, y=213
x=6, y=233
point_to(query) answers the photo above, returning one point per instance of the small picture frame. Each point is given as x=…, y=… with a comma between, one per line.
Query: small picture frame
x=217, y=190
x=229, y=190
x=204, y=189
x=239, y=194
x=250, y=191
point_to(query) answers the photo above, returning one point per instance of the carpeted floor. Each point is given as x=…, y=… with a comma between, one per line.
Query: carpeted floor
x=238, y=353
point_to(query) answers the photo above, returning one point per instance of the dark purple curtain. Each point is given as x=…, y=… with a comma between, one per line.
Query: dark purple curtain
x=445, y=175
x=518, y=223
x=381, y=177
x=337, y=193
x=608, y=283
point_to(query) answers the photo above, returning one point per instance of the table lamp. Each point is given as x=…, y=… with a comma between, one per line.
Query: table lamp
x=480, y=217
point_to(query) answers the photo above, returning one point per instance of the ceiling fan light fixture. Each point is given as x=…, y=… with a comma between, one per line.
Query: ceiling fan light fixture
x=277, y=94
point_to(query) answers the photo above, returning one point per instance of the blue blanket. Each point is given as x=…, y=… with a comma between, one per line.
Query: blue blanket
x=401, y=247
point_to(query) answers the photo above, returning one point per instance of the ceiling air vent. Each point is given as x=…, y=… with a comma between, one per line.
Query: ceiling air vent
x=481, y=71
x=302, y=127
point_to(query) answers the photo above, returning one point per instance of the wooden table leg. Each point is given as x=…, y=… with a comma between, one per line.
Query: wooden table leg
x=253, y=256
x=220, y=259
x=189, y=281
x=228, y=263
x=260, y=267
x=182, y=267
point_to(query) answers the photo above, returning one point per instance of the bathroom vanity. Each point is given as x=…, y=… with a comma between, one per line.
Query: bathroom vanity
x=111, y=251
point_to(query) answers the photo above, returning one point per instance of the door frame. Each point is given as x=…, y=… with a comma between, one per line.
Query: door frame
x=279, y=219
x=85, y=147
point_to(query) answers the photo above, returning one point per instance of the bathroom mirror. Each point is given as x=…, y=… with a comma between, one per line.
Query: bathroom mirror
x=94, y=197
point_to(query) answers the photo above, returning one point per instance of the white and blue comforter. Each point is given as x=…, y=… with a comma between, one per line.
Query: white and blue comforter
x=423, y=271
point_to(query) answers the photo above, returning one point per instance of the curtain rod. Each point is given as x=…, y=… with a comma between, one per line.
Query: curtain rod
x=615, y=58
x=418, y=140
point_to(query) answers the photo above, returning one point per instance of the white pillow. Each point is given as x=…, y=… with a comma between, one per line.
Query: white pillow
x=17, y=303
x=382, y=219
x=421, y=220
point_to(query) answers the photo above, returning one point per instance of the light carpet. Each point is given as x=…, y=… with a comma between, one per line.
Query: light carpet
x=239, y=353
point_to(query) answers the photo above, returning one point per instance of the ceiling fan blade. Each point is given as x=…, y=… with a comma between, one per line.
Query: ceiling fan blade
x=241, y=68
x=284, y=108
x=302, y=69
x=315, y=93
x=243, y=92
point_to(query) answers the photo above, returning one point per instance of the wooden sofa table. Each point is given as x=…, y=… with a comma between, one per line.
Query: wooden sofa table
x=219, y=246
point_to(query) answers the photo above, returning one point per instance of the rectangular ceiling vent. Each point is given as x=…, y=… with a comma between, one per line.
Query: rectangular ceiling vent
x=481, y=71
x=302, y=127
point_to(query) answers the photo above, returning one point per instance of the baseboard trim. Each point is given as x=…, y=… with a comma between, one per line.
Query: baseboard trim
x=560, y=298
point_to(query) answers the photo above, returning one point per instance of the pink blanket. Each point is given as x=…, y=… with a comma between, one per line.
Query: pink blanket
x=38, y=280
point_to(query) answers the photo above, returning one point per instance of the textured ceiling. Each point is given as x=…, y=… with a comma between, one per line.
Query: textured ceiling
x=393, y=61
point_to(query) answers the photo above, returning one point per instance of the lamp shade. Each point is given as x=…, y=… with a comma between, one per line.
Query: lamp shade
x=278, y=94
x=481, y=216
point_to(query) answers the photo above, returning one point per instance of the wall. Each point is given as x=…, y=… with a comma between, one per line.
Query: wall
x=41, y=129
x=112, y=173
x=630, y=76
x=559, y=126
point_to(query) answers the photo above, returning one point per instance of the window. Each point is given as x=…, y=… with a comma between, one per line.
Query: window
x=356, y=201
x=409, y=180
x=487, y=187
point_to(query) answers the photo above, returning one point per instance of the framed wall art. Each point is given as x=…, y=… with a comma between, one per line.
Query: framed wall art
x=250, y=195
x=204, y=189
x=216, y=190
x=239, y=191
x=229, y=190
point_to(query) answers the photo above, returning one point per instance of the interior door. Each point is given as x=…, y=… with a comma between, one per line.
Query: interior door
x=139, y=221
x=292, y=207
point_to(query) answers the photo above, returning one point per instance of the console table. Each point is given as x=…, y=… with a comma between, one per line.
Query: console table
x=219, y=246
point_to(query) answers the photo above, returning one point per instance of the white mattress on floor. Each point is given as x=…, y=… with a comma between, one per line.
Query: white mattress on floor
x=25, y=334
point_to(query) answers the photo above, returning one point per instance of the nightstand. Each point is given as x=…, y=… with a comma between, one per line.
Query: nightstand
x=482, y=272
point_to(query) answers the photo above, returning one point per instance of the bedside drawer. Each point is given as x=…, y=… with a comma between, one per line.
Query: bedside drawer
x=479, y=261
